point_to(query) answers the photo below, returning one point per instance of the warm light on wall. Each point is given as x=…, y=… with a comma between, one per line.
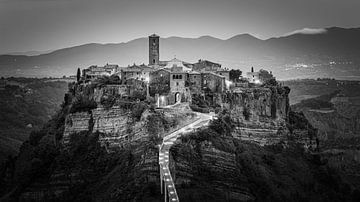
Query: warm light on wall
x=228, y=84
x=147, y=79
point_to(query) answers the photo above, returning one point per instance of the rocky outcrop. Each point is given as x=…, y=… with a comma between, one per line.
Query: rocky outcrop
x=260, y=136
x=115, y=125
x=205, y=163
x=333, y=124
x=212, y=168
x=254, y=105
x=259, y=114
x=74, y=123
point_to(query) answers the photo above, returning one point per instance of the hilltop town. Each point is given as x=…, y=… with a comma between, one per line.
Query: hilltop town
x=174, y=80
x=160, y=124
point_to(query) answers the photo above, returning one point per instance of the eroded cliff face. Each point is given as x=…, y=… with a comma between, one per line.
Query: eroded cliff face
x=333, y=124
x=228, y=169
x=259, y=114
x=75, y=123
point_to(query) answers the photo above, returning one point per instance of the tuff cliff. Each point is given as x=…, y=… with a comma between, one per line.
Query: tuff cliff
x=212, y=165
x=102, y=146
x=259, y=114
x=262, y=115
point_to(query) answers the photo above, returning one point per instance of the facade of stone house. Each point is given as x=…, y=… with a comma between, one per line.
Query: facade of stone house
x=195, y=81
x=139, y=72
x=159, y=74
x=225, y=73
x=95, y=71
x=178, y=81
x=212, y=81
x=205, y=65
x=253, y=77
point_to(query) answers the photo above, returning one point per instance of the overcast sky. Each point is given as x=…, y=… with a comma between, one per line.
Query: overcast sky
x=27, y=25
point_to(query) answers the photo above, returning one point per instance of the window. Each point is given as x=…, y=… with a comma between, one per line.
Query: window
x=180, y=76
x=173, y=76
x=177, y=83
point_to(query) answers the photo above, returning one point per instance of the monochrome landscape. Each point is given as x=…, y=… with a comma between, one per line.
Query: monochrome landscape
x=179, y=100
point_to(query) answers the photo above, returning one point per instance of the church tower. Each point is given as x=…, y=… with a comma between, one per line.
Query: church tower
x=154, y=49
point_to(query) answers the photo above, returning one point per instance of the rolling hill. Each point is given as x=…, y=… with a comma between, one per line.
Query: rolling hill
x=334, y=53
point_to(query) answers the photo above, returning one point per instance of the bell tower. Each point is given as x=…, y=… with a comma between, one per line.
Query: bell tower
x=154, y=49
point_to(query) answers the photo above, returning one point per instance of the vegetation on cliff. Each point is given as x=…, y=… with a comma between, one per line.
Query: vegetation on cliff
x=83, y=170
x=212, y=166
x=26, y=104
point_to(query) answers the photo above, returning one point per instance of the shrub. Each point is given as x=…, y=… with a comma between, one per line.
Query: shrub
x=35, y=137
x=137, y=110
x=139, y=95
x=199, y=109
x=246, y=113
x=83, y=104
x=270, y=82
x=222, y=125
x=108, y=101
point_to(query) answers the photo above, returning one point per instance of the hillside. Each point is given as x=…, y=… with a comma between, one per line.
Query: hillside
x=26, y=104
x=100, y=149
x=294, y=56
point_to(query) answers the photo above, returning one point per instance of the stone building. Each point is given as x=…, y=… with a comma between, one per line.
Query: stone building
x=159, y=73
x=259, y=77
x=212, y=81
x=139, y=72
x=205, y=65
x=95, y=71
x=178, y=83
x=224, y=72
x=195, y=78
x=253, y=77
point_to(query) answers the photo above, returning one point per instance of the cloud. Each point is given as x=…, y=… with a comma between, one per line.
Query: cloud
x=307, y=31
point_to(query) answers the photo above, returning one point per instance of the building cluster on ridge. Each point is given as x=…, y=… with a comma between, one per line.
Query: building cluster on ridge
x=182, y=77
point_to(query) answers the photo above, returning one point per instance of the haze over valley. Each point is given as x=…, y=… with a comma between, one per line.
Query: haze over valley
x=332, y=53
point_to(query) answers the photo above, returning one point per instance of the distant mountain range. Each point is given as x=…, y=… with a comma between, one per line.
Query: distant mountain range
x=332, y=53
